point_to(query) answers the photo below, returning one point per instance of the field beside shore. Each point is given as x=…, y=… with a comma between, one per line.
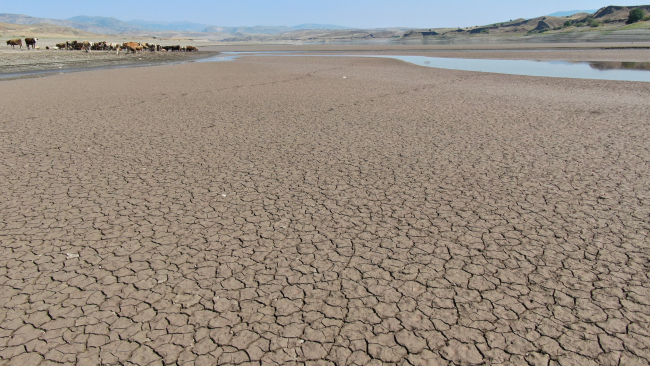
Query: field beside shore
x=334, y=210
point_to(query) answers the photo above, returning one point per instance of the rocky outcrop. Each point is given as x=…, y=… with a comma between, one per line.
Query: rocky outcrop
x=542, y=25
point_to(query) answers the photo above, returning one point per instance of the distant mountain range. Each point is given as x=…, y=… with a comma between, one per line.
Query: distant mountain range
x=260, y=29
x=609, y=17
x=107, y=25
x=571, y=12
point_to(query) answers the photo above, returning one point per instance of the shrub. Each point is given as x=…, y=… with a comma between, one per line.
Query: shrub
x=580, y=24
x=635, y=15
x=567, y=23
x=646, y=18
x=593, y=22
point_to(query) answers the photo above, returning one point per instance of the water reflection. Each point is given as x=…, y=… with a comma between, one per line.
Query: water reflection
x=600, y=70
x=611, y=65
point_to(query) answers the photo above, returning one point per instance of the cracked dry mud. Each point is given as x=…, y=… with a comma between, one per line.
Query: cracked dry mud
x=269, y=211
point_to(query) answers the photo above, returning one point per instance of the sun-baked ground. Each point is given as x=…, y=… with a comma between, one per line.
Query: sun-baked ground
x=290, y=210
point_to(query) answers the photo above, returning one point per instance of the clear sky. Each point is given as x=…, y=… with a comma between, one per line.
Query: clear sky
x=352, y=13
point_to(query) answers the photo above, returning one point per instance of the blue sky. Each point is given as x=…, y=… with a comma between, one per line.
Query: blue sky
x=352, y=13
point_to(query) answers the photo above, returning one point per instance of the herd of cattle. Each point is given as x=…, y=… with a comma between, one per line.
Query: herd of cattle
x=19, y=42
x=103, y=46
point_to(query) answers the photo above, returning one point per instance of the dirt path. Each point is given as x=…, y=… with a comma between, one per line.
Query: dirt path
x=270, y=210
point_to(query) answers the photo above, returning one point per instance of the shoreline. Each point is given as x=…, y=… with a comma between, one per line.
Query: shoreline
x=40, y=63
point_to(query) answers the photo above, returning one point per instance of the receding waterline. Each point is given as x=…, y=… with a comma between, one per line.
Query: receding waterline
x=599, y=70
x=623, y=71
x=557, y=69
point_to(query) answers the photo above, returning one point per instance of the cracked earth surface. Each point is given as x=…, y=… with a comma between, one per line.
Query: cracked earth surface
x=270, y=211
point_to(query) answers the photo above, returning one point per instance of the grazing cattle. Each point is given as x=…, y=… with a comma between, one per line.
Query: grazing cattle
x=115, y=47
x=133, y=47
x=62, y=46
x=30, y=42
x=74, y=45
x=191, y=49
x=15, y=42
x=99, y=46
x=150, y=46
x=86, y=46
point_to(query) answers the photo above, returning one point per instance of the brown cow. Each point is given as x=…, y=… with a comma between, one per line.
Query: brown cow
x=86, y=46
x=61, y=46
x=133, y=47
x=31, y=42
x=191, y=49
x=15, y=42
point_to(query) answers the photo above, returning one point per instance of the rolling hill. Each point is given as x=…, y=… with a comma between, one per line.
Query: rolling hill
x=41, y=29
x=609, y=17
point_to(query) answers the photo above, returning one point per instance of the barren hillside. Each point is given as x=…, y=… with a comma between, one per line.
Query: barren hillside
x=42, y=30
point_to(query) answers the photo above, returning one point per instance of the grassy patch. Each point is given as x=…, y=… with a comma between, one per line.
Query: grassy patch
x=637, y=25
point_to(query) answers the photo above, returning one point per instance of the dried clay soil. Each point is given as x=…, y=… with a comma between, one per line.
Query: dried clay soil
x=269, y=210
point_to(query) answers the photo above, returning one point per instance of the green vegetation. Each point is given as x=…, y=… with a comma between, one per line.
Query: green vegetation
x=635, y=15
x=637, y=25
x=646, y=18
x=567, y=23
x=540, y=31
x=593, y=23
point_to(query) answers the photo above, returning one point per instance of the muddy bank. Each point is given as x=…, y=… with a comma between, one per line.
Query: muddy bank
x=34, y=63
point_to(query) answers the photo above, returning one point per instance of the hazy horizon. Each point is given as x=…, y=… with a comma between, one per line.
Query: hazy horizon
x=358, y=14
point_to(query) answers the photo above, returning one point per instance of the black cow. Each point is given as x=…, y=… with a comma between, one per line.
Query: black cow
x=30, y=42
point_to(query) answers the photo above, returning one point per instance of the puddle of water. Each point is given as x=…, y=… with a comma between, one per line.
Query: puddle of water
x=218, y=58
x=560, y=69
x=598, y=70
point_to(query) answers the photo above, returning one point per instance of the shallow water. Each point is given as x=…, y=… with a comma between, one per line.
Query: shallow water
x=598, y=70
x=558, y=69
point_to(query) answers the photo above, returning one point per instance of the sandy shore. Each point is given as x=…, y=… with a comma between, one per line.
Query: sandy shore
x=356, y=211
